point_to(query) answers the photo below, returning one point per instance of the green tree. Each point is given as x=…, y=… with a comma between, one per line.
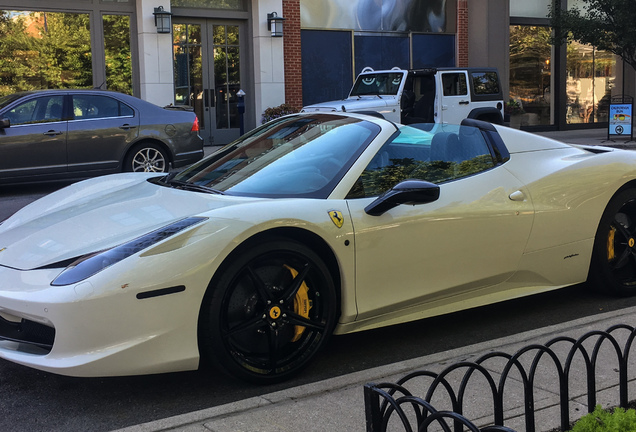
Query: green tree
x=65, y=49
x=42, y=50
x=117, y=53
x=18, y=55
x=605, y=24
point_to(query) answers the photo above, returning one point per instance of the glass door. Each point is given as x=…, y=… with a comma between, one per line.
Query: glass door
x=207, y=75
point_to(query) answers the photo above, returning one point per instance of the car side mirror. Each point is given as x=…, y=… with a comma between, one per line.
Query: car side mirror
x=5, y=123
x=406, y=192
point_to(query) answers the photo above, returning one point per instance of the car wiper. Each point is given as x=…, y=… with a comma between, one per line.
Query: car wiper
x=180, y=184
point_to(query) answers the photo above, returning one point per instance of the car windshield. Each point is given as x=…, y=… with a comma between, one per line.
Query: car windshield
x=376, y=84
x=298, y=156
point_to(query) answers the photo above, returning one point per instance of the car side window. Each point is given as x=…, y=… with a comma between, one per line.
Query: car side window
x=449, y=153
x=454, y=84
x=485, y=83
x=90, y=106
x=38, y=110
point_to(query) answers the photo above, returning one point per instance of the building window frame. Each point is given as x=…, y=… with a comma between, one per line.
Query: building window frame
x=560, y=73
x=96, y=9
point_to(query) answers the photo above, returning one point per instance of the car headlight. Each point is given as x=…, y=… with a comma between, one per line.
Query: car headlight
x=89, y=265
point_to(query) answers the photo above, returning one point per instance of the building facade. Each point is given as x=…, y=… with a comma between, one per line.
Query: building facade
x=215, y=48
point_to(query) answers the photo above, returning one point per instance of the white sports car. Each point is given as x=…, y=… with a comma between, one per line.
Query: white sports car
x=310, y=225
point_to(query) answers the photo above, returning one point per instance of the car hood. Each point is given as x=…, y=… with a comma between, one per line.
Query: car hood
x=95, y=215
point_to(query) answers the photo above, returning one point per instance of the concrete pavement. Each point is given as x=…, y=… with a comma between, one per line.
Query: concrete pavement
x=590, y=137
x=337, y=404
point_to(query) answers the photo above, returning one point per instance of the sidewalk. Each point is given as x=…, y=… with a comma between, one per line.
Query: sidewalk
x=590, y=137
x=337, y=404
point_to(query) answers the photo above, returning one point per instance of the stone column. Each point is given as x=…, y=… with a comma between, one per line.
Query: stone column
x=155, y=55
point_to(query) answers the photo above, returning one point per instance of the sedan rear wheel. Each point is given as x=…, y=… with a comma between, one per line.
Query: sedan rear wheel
x=146, y=157
x=614, y=261
x=269, y=313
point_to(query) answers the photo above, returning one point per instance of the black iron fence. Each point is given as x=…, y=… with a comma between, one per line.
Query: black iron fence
x=563, y=361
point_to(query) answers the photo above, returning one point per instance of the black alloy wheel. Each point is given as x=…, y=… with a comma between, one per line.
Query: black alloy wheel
x=614, y=261
x=270, y=312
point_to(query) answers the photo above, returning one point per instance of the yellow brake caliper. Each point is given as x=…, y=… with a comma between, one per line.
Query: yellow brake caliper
x=302, y=304
x=611, y=254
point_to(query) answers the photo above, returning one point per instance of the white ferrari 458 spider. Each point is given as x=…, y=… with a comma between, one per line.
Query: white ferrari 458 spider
x=310, y=225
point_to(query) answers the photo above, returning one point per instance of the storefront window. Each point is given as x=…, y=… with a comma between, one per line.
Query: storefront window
x=210, y=4
x=531, y=101
x=117, y=53
x=42, y=50
x=227, y=76
x=530, y=9
x=188, y=73
x=381, y=52
x=590, y=78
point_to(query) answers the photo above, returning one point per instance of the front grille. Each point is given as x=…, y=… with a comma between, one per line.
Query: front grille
x=28, y=332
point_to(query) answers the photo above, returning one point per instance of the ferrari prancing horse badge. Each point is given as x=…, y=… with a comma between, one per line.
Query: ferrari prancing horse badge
x=336, y=218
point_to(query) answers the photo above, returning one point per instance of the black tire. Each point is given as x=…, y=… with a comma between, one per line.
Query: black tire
x=146, y=157
x=613, y=268
x=269, y=313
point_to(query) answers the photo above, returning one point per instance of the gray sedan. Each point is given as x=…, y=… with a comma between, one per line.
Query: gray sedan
x=69, y=134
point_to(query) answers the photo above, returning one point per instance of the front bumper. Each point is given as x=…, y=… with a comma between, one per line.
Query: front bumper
x=95, y=328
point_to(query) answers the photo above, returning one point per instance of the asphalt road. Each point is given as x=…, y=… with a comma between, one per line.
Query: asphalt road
x=34, y=401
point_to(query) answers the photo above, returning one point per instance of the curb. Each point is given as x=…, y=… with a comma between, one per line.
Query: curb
x=378, y=374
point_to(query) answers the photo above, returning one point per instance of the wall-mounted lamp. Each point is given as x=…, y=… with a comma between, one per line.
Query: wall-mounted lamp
x=275, y=24
x=162, y=20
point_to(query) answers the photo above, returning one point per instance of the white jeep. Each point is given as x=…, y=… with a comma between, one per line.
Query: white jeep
x=442, y=95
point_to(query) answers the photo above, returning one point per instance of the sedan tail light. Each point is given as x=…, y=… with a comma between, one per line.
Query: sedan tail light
x=195, y=125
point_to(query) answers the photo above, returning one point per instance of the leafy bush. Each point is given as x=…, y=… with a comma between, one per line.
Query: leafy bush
x=601, y=420
x=513, y=107
x=279, y=111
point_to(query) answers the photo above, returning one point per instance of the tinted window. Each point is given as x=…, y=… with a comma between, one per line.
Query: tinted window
x=125, y=110
x=433, y=50
x=321, y=51
x=454, y=84
x=38, y=110
x=6, y=100
x=381, y=52
x=485, y=83
x=443, y=154
x=300, y=156
x=91, y=106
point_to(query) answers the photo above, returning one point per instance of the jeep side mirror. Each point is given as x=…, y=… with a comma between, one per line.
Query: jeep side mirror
x=406, y=192
x=5, y=123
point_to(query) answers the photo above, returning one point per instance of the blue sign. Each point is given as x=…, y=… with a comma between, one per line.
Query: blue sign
x=620, y=119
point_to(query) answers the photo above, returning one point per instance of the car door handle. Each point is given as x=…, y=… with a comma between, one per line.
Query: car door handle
x=52, y=133
x=517, y=196
x=127, y=126
x=464, y=102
